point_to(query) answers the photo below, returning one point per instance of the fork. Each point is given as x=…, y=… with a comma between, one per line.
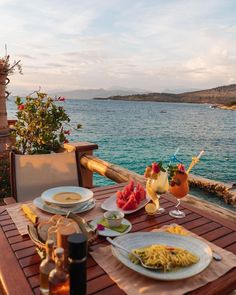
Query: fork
x=113, y=243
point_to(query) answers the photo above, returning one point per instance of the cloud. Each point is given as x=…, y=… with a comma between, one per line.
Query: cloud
x=98, y=43
x=26, y=56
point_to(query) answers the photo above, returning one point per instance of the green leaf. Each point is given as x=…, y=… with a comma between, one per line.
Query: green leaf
x=18, y=100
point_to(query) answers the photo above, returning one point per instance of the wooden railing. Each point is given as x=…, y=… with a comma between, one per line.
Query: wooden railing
x=114, y=172
x=90, y=164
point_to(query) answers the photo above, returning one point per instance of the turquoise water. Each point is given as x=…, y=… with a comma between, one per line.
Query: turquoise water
x=134, y=134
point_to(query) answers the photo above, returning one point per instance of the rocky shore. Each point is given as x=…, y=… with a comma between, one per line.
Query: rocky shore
x=224, y=107
x=219, y=189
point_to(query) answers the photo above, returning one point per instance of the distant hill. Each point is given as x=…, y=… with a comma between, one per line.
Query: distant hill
x=218, y=95
x=100, y=93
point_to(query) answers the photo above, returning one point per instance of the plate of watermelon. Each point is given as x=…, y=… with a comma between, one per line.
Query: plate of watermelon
x=131, y=199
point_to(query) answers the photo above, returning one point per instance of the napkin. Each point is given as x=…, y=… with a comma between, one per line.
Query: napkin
x=121, y=228
x=21, y=221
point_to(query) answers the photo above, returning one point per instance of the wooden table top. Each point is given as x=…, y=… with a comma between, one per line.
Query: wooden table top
x=19, y=265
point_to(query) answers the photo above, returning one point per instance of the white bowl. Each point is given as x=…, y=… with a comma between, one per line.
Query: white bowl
x=85, y=194
x=114, y=222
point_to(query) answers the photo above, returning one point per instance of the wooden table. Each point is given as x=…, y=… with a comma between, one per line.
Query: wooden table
x=19, y=264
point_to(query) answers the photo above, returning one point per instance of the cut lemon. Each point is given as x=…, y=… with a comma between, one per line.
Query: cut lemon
x=151, y=209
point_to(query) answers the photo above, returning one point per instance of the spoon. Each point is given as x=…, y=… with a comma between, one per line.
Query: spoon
x=129, y=252
x=216, y=256
x=69, y=209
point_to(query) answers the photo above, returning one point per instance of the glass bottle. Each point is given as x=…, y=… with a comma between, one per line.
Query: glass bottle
x=77, y=246
x=58, y=277
x=45, y=268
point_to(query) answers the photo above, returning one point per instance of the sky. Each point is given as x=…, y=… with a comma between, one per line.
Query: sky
x=155, y=45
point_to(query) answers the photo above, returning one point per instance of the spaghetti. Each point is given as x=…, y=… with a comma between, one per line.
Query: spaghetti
x=164, y=257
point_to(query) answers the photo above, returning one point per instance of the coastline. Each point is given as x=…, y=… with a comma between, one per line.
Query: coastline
x=148, y=100
x=214, y=106
x=224, y=107
x=223, y=96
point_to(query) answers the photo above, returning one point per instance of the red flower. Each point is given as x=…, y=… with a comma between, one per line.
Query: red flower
x=59, y=98
x=66, y=141
x=155, y=168
x=67, y=132
x=181, y=168
x=100, y=226
x=21, y=107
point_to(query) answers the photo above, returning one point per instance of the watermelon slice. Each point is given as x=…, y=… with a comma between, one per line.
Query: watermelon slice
x=129, y=198
x=141, y=191
x=119, y=195
x=131, y=204
x=126, y=193
x=131, y=185
x=120, y=203
x=137, y=196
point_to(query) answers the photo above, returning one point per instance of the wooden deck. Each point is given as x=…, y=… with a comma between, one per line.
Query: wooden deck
x=19, y=265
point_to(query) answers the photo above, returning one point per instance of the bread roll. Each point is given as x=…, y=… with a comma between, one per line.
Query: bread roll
x=57, y=223
x=43, y=230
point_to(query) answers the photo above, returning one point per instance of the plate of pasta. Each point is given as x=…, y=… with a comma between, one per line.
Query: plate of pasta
x=175, y=257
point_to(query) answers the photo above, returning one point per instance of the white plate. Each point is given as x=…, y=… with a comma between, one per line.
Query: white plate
x=109, y=232
x=85, y=193
x=39, y=203
x=110, y=204
x=141, y=239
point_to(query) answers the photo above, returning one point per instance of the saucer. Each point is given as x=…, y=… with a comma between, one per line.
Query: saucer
x=107, y=232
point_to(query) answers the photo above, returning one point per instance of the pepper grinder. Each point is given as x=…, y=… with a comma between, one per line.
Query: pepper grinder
x=77, y=258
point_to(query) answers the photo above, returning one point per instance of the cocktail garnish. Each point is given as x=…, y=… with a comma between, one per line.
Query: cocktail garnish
x=181, y=168
x=155, y=168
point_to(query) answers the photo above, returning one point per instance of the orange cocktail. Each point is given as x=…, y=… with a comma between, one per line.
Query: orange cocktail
x=179, y=188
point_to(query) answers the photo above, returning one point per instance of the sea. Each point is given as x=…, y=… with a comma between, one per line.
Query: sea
x=135, y=134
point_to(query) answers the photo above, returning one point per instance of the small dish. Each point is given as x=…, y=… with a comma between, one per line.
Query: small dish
x=108, y=232
x=114, y=217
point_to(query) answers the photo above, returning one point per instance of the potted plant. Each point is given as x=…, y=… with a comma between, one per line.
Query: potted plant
x=6, y=69
x=40, y=124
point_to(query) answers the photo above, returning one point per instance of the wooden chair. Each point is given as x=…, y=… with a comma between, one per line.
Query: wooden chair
x=30, y=175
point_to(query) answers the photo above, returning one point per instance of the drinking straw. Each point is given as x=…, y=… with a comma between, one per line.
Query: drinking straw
x=174, y=158
x=195, y=160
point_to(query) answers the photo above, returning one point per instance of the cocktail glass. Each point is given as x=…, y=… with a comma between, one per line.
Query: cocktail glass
x=156, y=187
x=179, y=188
